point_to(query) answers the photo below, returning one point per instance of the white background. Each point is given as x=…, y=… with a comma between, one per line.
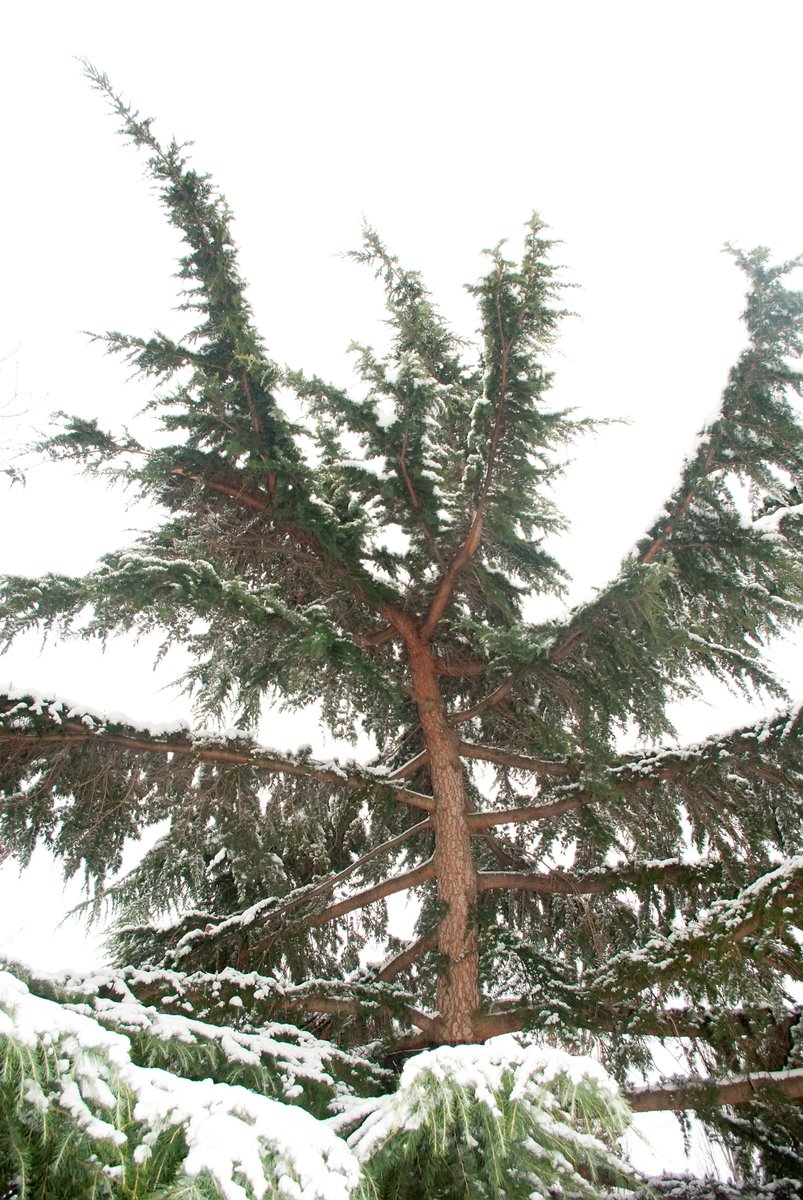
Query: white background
x=645, y=134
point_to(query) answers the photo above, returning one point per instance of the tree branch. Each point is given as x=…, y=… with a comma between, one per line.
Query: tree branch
x=400, y=962
x=45, y=725
x=443, y=593
x=499, y=694
x=508, y=758
x=562, y=883
x=689, y=1022
x=703, y=1093
x=388, y=887
x=529, y=812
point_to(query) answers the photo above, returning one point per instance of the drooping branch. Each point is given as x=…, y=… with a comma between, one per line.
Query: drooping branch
x=766, y=752
x=26, y=721
x=473, y=539
x=699, y=1023
x=388, y=887
x=268, y=912
x=500, y=693
x=705, y=1093
x=773, y=900
x=170, y=990
x=313, y=1002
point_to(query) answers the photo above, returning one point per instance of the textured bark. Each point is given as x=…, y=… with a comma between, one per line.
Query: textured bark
x=456, y=875
x=702, y=1093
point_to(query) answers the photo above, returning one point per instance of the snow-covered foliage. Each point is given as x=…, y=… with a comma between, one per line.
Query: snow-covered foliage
x=525, y=1119
x=133, y=1130
x=498, y=1119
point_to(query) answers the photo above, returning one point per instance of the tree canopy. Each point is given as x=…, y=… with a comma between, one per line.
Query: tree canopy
x=375, y=551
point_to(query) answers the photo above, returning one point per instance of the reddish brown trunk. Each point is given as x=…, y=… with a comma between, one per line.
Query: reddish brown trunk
x=458, y=988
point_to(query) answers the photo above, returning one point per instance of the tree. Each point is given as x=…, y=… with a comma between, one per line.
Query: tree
x=375, y=552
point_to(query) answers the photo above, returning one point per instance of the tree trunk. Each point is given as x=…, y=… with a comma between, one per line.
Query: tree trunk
x=458, y=986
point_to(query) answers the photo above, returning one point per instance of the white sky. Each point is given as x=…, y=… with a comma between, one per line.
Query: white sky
x=645, y=134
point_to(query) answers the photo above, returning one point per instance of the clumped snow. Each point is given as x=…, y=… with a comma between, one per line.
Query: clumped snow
x=229, y=1130
x=480, y=1070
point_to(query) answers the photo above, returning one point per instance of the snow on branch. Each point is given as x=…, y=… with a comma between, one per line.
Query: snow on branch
x=230, y=1132
x=31, y=721
x=774, y=899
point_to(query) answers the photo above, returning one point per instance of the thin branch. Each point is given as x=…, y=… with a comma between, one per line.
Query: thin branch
x=377, y=637
x=507, y=758
x=443, y=593
x=326, y=885
x=530, y=812
x=416, y=503
x=499, y=694
x=388, y=887
x=400, y=962
x=702, y=1023
x=342, y=1006
x=460, y=668
x=562, y=883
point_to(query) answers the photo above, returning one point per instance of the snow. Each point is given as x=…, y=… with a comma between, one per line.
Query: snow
x=770, y=525
x=229, y=1130
x=480, y=1070
x=31, y=700
x=39, y=702
x=386, y=412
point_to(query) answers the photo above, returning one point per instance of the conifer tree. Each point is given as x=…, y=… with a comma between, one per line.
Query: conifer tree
x=374, y=551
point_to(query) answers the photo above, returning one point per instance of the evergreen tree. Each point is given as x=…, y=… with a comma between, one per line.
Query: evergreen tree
x=374, y=552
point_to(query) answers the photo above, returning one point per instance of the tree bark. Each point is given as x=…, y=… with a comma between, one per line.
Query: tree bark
x=455, y=872
x=740, y=1089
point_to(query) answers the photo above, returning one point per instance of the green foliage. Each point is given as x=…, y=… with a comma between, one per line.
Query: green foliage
x=482, y=1123
x=314, y=544
x=88, y=1112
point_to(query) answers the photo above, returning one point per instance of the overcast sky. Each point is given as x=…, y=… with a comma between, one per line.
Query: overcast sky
x=646, y=135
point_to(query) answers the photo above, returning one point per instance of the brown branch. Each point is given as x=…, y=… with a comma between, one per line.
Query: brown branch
x=232, y=925
x=443, y=593
x=702, y=1093
x=459, y=669
x=750, y=1022
x=251, y=498
x=495, y=697
x=259, y=501
x=320, y=1004
x=75, y=732
x=388, y=887
x=410, y=767
x=416, y=503
x=507, y=758
x=562, y=883
x=377, y=637
x=660, y=542
x=333, y=880
x=530, y=812
x=400, y=962
x=354, y=1008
